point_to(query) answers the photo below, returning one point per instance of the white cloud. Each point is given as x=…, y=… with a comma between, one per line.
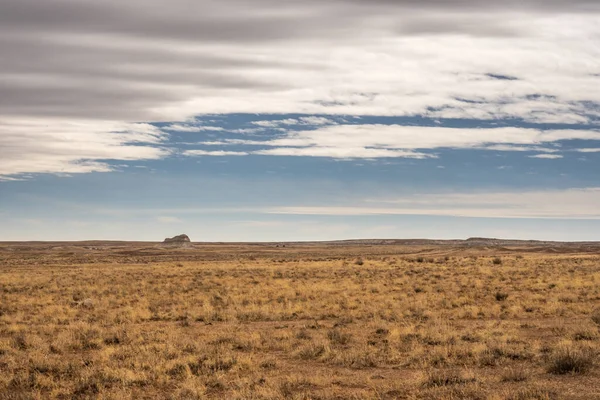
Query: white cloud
x=547, y=156
x=213, y=153
x=571, y=203
x=314, y=120
x=192, y=128
x=247, y=131
x=378, y=141
x=10, y=179
x=340, y=152
x=508, y=147
x=310, y=120
x=77, y=146
x=589, y=150
x=276, y=122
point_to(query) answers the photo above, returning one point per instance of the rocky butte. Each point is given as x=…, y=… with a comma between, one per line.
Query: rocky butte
x=180, y=239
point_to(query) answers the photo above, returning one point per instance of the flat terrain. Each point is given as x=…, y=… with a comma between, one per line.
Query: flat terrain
x=478, y=319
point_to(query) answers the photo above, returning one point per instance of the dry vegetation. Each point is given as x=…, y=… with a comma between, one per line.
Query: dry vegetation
x=300, y=322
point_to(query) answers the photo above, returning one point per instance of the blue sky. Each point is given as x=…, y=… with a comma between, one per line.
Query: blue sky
x=430, y=122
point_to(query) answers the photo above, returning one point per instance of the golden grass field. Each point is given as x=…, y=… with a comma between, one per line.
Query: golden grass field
x=137, y=320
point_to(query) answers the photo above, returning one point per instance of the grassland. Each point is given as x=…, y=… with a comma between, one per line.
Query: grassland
x=119, y=321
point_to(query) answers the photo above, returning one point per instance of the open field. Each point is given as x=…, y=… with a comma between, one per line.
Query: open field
x=354, y=320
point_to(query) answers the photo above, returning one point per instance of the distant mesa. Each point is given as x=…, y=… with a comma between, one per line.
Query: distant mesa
x=481, y=239
x=180, y=239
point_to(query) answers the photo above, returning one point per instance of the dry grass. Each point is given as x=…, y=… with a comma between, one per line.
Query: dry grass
x=300, y=322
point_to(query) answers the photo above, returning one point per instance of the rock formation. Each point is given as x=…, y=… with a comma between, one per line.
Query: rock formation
x=180, y=239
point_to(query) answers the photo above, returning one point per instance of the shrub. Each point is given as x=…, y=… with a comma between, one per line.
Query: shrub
x=357, y=359
x=437, y=378
x=501, y=296
x=515, y=375
x=568, y=359
x=497, y=261
x=312, y=351
x=303, y=335
x=268, y=364
x=359, y=261
x=338, y=337
x=20, y=341
x=596, y=316
x=291, y=388
x=532, y=394
x=585, y=334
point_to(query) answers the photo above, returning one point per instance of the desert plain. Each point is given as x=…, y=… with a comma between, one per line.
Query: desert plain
x=378, y=319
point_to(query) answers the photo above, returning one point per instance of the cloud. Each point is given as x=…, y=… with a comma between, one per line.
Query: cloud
x=10, y=179
x=340, y=152
x=218, y=153
x=547, y=156
x=275, y=123
x=192, y=128
x=315, y=120
x=310, y=120
x=570, y=203
x=77, y=146
x=380, y=141
x=115, y=62
x=508, y=147
x=576, y=203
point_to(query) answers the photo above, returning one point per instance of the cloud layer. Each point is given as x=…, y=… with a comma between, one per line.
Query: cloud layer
x=103, y=66
x=380, y=141
x=569, y=204
x=77, y=146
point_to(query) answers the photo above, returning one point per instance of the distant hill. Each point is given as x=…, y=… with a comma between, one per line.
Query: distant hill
x=180, y=239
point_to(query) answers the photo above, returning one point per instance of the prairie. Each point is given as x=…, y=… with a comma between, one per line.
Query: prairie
x=112, y=320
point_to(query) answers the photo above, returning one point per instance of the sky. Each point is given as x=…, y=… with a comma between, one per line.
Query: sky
x=264, y=120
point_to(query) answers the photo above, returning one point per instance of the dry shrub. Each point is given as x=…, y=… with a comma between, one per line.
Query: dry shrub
x=291, y=388
x=568, y=359
x=311, y=351
x=501, y=296
x=448, y=377
x=268, y=364
x=303, y=334
x=356, y=359
x=585, y=334
x=515, y=375
x=337, y=337
x=20, y=341
x=532, y=394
